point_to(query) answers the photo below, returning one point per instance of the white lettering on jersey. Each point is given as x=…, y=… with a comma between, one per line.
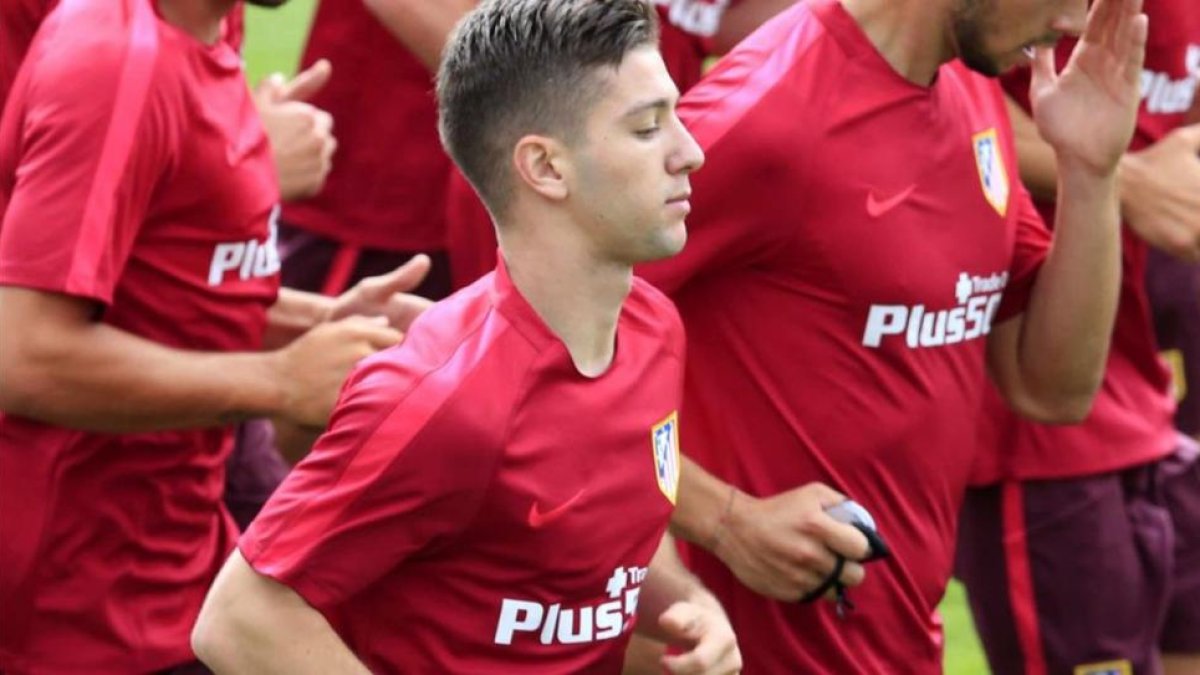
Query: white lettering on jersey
x=250, y=259
x=978, y=298
x=695, y=16
x=1165, y=96
x=588, y=623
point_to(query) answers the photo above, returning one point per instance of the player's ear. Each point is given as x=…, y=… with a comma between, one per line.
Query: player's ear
x=540, y=162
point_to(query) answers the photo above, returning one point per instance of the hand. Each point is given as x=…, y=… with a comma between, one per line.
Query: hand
x=312, y=368
x=301, y=135
x=1160, y=193
x=705, y=629
x=785, y=546
x=1087, y=113
x=386, y=295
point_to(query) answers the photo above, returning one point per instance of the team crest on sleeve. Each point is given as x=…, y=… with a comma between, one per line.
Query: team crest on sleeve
x=1122, y=667
x=664, y=438
x=992, y=174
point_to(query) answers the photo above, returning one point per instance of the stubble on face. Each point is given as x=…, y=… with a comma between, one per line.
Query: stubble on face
x=971, y=22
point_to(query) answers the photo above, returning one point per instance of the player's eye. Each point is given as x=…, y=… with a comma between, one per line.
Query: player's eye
x=647, y=132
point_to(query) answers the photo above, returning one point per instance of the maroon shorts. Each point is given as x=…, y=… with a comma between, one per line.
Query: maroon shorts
x=1087, y=575
x=1174, y=290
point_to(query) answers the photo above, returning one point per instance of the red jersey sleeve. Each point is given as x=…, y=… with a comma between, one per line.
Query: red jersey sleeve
x=1032, y=245
x=83, y=146
x=399, y=472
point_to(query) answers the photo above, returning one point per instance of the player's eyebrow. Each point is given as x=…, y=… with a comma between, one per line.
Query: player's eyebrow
x=657, y=104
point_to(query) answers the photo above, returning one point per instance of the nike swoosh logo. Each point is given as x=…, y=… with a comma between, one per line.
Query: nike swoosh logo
x=539, y=519
x=878, y=207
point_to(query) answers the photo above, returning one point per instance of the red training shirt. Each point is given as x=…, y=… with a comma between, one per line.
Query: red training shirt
x=477, y=505
x=134, y=173
x=853, y=238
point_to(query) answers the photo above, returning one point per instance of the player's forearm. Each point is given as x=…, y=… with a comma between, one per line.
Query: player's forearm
x=702, y=505
x=252, y=624
x=294, y=314
x=420, y=25
x=1067, y=327
x=63, y=367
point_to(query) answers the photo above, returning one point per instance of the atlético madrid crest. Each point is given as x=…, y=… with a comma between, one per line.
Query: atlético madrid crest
x=992, y=174
x=664, y=438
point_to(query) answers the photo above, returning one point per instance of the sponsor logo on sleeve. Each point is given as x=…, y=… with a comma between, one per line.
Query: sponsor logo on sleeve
x=992, y=175
x=1122, y=667
x=978, y=297
x=597, y=621
x=664, y=440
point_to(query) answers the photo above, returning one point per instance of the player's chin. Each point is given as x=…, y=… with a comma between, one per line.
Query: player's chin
x=670, y=241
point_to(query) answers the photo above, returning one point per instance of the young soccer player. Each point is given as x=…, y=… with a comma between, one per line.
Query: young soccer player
x=493, y=495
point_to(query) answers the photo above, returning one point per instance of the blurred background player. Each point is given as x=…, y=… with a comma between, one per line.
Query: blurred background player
x=384, y=201
x=1082, y=555
x=861, y=253
x=454, y=519
x=137, y=258
x=302, y=146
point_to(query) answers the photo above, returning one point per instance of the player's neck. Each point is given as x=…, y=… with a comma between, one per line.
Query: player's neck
x=578, y=297
x=199, y=18
x=911, y=35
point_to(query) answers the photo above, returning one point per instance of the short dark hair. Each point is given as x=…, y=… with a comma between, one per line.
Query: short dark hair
x=516, y=67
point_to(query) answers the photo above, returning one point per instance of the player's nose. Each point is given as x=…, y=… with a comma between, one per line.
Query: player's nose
x=688, y=156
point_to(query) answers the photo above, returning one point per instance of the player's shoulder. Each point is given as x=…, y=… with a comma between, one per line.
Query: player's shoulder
x=101, y=38
x=92, y=53
x=752, y=89
x=460, y=355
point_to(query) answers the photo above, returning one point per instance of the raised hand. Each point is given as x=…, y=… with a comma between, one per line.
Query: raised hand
x=301, y=135
x=312, y=368
x=387, y=295
x=1088, y=111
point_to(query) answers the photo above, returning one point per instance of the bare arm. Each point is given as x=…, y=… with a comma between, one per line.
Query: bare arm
x=253, y=624
x=65, y=367
x=1049, y=362
x=674, y=607
x=420, y=25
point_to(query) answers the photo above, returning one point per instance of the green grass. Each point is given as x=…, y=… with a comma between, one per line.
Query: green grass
x=273, y=41
x=274, y=38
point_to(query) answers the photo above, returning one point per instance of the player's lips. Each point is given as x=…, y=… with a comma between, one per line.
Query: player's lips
x=681, y=201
